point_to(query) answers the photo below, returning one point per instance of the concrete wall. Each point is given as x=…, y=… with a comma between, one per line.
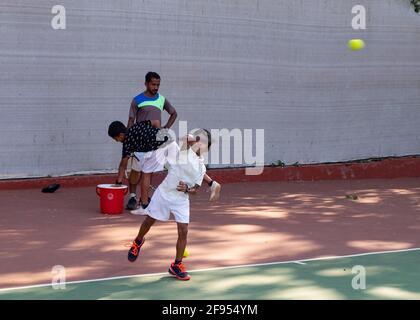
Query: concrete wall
x=280, y=65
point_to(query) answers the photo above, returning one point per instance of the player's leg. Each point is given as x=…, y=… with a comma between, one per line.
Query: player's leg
x=177, y=268
x=153, y=162
x=181, y=212
x=134, y=179
x=134, y=174
x=145, y=227
x=141, y=156
x=146, y=178
x=144, y=192
x=139, y=241
x=157, y=210
x=181, y=244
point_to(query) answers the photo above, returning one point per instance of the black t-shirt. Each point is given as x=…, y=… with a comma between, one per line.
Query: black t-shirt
x=143, y=137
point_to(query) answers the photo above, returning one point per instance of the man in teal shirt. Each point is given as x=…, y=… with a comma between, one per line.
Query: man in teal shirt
x=147, y=106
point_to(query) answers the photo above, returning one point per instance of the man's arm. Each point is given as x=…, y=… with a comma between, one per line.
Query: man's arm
x=130, y=122
x=171, y=110
x=132, y=114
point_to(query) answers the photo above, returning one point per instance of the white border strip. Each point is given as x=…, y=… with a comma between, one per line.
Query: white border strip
x=217, y=268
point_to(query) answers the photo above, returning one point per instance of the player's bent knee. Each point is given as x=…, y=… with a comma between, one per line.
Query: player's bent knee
x=183, y=230
x=182, y=235
x=149, y=220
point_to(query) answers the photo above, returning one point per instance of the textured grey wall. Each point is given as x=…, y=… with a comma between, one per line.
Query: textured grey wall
x=281, y=65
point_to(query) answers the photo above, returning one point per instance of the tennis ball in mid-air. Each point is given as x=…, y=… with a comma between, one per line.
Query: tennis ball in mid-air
x=186, y=253
x=356, y=44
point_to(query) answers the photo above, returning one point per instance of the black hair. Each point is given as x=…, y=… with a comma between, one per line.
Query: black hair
x=151, y=75
x=115, y=128
x=207, y=132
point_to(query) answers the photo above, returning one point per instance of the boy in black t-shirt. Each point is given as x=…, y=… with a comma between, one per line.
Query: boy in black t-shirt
x=144, y=137
x=141, y=137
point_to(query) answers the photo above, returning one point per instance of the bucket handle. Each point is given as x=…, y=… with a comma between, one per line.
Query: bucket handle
x=97, y=192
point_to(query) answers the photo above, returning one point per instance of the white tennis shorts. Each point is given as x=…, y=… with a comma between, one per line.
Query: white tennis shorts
x=154, y=161
x=160, y=208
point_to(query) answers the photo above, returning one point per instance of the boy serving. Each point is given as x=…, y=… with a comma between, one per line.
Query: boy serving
x=186, y=170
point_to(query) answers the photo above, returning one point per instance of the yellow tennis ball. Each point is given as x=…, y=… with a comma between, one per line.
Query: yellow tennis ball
x=186, y=253
x=356, y=44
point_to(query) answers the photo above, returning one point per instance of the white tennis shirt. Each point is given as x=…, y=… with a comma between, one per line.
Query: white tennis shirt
x=183, y=165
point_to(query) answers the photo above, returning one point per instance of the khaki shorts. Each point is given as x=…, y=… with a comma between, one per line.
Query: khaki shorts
x=133, y=164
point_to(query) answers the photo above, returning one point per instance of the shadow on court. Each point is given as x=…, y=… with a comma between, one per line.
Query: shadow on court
x=253, y=223
x=388, y=276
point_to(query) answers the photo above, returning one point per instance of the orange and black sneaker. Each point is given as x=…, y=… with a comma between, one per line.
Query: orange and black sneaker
x=178, y=270
x=134, y=251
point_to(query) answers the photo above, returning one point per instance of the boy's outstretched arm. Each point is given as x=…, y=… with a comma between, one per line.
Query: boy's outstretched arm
x=121, y=169
x=207, y=178
x=215, y=187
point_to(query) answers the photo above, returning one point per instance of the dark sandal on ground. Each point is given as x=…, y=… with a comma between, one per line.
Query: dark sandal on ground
x=51, y=188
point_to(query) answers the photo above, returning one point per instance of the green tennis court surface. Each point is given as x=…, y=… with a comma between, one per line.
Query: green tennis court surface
x=389, y=275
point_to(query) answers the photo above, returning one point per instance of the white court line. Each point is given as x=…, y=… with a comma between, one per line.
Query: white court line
x=302, y=261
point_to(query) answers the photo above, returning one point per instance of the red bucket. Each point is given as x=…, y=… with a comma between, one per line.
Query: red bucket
x=112, y=198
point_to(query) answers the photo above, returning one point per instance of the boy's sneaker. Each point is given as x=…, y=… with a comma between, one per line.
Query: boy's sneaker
x=179, y=271
x=215, y=191
x=140, y=211
x=134, y=251
x=132, y=203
